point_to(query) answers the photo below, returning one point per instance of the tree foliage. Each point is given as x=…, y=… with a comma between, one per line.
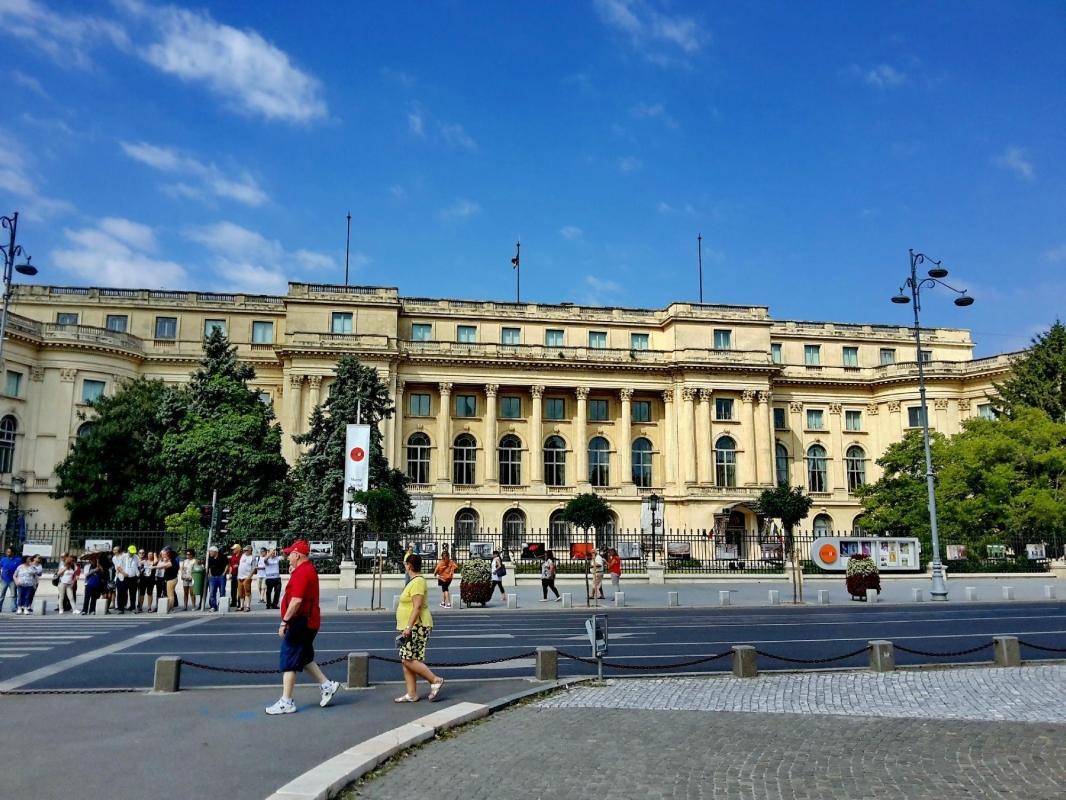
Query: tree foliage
x=789, y=504
x=1038, y=378
x=587, y=511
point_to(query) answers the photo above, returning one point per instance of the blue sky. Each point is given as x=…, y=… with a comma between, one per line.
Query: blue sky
x=219, y=147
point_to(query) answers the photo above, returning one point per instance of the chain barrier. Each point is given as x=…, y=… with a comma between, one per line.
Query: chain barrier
x=829, y=660
x=649, y=667
x=952, y=654
x=442, y=665
x=240, y=671
x=1042, y=647
x=70, y=691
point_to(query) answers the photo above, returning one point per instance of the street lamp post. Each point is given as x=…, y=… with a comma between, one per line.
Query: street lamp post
x=936, y=274
x=11, y=251
x=653, y=505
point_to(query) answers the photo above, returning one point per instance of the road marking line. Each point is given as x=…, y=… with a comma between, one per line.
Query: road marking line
x=54, y=669
x=13, y=655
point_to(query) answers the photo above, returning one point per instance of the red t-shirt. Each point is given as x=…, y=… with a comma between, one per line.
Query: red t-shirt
x=615, y=565
x=234, y=562
x=303, y=583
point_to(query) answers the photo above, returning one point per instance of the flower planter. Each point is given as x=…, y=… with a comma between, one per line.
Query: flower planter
x=476, y=585
x=861, y=577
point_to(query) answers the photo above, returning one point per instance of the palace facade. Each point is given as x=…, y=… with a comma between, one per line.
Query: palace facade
x=506, y=410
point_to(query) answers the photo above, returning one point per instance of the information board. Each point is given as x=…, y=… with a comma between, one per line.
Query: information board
x=891, y=553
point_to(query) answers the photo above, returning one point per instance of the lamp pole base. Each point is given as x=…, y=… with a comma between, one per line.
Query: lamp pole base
x=939, y=589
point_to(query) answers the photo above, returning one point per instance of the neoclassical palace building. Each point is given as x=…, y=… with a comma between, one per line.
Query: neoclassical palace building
x=505, y=410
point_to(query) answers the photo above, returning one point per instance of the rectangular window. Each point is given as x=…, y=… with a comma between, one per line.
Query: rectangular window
x=853, y=420
x=598, y=410
x=511, y=336
x=815, y=419
x=421, y=332
x=166, y=327
x=780, y=419
x=466, y=405
x=466, y=334
x=341, y=322
x=418, y=405
x=851, y=356
x=553, y=337
x=64, y=318
x=775, y=352
x=723, y=339
x=119, y=323
x=510, y=407
x=641, y=411
x=554, y=408
x=262, y=332
x=723, y=408
x=91, y=390
x=914, y=416
x=13, y=384
x=638, y=341
x=984, y=410
x=598, y=339
x=812, y=355
x=925, y=355
x=888, y=356
x=211, y=324
x=264, y=398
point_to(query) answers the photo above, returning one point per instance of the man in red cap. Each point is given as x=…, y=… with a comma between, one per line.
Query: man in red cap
x=300, y=620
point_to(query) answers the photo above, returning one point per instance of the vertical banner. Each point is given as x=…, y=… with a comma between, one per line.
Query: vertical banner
x=356, y=469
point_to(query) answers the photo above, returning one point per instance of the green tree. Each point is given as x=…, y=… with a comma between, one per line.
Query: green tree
x=1038, y=378
x=587, y=511
x=789, y=504
x=185, y=527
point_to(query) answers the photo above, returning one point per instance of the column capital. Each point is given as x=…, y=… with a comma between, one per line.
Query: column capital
x=314, y=381
x=747, y=396
x=835, y=408
x=401, y=387
x=68, y=375
x=705, y=395
x=625, y=394
x=536, y=391
x=668, y=395
x=893, y=406
x=582, y=392
x=795, y=406
x=688, y=395
x=491, y=389
x=37, y=374
x=940, y=404
x=871, y=409
x=762, y=397
x=296, y=381
x=964, y=404
x=445, y=388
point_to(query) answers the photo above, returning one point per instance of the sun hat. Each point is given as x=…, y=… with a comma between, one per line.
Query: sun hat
x=299, y=546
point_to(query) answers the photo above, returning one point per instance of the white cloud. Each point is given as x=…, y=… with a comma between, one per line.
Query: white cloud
x=600, y=291
x=243, y=188
x=398, y=76
x=116, y=253
x=1016, y=160
x=455, y=136
x=661, y=38
x=29, y=82
x=1056, y=254
x=664, y=208
x=571, y=232
x=416, y=122
x=460, y=209
x=247, y=278
x=312, y=260
x=236, y=242
x=17, y=179
x=654, y=111
x=885, y=76
x=398, y=192
x=67, y=39
x=629, y=164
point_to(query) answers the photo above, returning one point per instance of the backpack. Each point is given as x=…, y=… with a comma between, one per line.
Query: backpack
x=502, y=571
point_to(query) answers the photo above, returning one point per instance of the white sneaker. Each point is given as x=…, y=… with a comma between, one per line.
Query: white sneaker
x=77, y=612
x=61, y=611
x=544, y=599
x=328, y=690
x=283, y=706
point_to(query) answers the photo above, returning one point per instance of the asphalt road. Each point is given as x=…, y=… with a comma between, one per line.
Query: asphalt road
x=31, y=649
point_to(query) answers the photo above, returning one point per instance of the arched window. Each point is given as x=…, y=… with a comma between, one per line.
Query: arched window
x=465, y=527
x=510, y=460
x=464, y=460
x=514, y=531
x=85, y=428
x=599, y=461
x=781, y=464
x=856, y=526
x=555, y=461
x=606, y=536
x=855, y=465
x=823, y=525
x=642, y=462
x=558, y=531
x=725, y=462
x=418, y=458
x=817, y=480
x=8, y=428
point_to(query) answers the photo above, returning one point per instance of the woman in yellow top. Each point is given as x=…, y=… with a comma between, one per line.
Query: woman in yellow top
x=414, y=622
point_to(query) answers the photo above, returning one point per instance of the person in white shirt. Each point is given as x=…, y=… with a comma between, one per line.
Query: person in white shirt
x=270, y=573
x=245, y=571
x=259, y=575
x=188, y=590
x=67, y=572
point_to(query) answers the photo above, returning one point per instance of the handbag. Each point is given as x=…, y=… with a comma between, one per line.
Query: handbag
x=55, y=579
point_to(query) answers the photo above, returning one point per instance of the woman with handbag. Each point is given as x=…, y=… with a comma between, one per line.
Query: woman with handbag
x=414, y=622
x=445, y=571
x=94, y=584
x=547, y=576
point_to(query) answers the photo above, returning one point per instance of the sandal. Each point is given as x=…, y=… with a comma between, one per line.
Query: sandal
x=406, y=699
x=435, y=687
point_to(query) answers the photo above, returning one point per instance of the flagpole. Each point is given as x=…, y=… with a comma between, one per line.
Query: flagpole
x=516, y=262
x=699, y=252
x=347, y=246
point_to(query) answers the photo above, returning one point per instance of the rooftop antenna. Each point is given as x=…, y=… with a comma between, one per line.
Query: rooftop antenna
x=699, y=255
x=347, y=247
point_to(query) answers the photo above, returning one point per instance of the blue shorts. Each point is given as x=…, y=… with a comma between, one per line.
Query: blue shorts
x=297, y=648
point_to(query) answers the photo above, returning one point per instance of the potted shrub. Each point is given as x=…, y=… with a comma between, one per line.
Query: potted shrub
x=476, y=582
x=862, y=575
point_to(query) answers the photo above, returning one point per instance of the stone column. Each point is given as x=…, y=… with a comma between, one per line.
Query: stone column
x=837, y=474
x=536, y=438
x=669, y=440
x=444, y=432
x=68, y=386
x=491, y=462
x=704, y=467
x=292, y=421
x=764, y=440
x=798, y=476
x=396, y=429
x=687, y=437
x=581, y=437
x=747, y=464
x=314, y=385
x=625, y=437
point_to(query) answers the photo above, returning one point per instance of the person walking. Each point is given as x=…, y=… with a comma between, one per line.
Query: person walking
x=8, y=564
x=231, y=571
x=614, y=568
x=445, y=571
x=245, y=571
x=187, y=589
x=66, y=573
x=597, y=576
x=415, y=623
x=300, y=621
x=270, y=568
x=95, y=579
x=547, y=576
x=499, y=572
x=217, y=565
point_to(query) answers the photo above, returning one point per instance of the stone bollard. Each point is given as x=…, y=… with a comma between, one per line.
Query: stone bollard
x=161, y=606
x=971, y=593
x=342, y=602
x=512, y=600
x=774, y=597
x=882, y=656
x=619, y=599
x=167, y=674
x=744, y=661
x=42, y=607
x=358, y=670
x=101, y=607
x=672, y=599
x=547, y=666
x=916, y=595
x=724, y=598
x=823, y=597
x=395, y=602
x=1006, y=652
x=568, y=600
x=223, y=606
x=1008, y=592
x=1049, y=592
x=871, y=595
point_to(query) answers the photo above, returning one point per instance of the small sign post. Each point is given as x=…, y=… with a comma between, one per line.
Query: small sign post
x=596, y=626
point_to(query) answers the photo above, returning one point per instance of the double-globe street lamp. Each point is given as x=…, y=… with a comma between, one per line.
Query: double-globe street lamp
x=936, y=274
x=11, y=251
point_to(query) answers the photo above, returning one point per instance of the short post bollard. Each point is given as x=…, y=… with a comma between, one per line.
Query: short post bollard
x=547, y=665
x=1049, y=592
x=223, y=605
x=512, y=600
x=161, y=606
x=568, y=600
x=672, y=599
x=619, y=599
x=1006, y=652
x=395, y=602
x=167, y=674
x=823, y=597
x=916, y=595
x=774, y=597
x=358, y=670
x=971, y=593
x=42, y=607
x=1008, y=592
x=871, y=595
x=342, y=602
x=882, y=656
x=101, y=607
x=744, y=661
x=724, y=598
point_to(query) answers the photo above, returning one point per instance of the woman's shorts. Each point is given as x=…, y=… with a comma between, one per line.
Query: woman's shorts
x=415, y=647
x=297, y=648
x=444, y=585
